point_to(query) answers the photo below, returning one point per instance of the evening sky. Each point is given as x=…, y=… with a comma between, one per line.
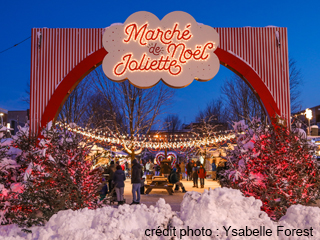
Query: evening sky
x=17, y=18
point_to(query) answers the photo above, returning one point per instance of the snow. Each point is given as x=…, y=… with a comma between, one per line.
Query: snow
x=28, y=172
x=8, y=163
x=301, y=133
x=17, y=187
x=216, y=210
x=6, y=142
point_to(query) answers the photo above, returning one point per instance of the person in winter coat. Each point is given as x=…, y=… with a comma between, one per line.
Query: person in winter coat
x=202, y=175
x=214, y=170
x=151, y=170
x=198, y=163
x=195, y=175
x=189, y=171
x=103, y=189
x=123, y=167
x=118, y=180
x=136, y=175
x=157, y=169
x=165, y=169
x=183, y=169
x=178, y=170
x=173, y=178
x=111, y=169
x=147, y=167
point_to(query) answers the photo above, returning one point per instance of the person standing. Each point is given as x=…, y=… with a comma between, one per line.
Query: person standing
x=147, y=167
x=183, y=169
x=202, y=175
x=195, y=175
x=157, y=170
x=136, y=175
x=151, y=168
x=123, y=167
x=198, y=163
x=189, y=171
x=165, y=169
x=118, y=180
x=214, y=170
x=111, y=169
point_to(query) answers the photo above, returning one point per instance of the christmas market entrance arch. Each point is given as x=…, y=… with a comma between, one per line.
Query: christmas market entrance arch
x=61, y=58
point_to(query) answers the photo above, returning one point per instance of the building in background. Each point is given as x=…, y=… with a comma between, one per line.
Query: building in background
x=17, y=118
x=14, y=118
x=314, y=121
x=3, y=116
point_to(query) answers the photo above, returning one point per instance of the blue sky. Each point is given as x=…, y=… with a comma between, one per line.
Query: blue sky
x=17, y=18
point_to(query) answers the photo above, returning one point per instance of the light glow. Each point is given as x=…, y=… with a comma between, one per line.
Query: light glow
x=308, y=114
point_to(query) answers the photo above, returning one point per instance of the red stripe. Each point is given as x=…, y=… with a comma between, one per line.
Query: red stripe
x=63, y=49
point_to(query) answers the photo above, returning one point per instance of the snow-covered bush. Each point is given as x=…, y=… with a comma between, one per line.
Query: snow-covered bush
x=54, y=176
x=273, y=164
x=11, y=169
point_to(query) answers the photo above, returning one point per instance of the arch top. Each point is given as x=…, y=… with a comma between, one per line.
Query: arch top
x=62, y=57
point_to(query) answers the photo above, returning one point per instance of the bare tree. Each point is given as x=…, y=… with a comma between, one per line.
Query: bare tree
x=241, y=102
x=216, y=112
x=137, y=108
x=296, y=81
x=26, y=98
x=172, y=123
x=98, y=114
x=76, y=104
x=206, y=130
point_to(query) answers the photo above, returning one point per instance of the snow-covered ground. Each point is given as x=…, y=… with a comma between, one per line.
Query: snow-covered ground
x=213, y=214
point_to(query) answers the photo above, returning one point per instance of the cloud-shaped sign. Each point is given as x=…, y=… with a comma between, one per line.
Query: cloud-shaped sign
x=145, y=50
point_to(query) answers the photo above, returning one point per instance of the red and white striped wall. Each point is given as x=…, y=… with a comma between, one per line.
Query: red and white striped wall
x=60, y=57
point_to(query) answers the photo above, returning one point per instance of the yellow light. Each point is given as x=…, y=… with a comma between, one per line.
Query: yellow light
x=308, y=113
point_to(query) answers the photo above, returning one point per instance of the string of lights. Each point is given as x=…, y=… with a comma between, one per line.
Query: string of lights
x=153, y=141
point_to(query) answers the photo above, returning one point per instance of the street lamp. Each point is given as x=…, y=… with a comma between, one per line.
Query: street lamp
x=1, y=115
x=308, y=114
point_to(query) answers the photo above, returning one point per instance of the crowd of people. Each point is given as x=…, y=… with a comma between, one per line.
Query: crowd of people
x=117, y=174
x=116, y=178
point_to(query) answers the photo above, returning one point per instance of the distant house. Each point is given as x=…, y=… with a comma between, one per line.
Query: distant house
x=3, y=116
x=18, y=118
x=315, y=116
x=15, y=118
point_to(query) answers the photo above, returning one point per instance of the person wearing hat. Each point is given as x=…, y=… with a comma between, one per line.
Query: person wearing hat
x=103, y=189
x=173, y=178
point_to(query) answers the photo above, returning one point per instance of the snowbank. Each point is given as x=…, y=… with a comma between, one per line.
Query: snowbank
x=220, y=209
x=125, y=222
x=207, y=216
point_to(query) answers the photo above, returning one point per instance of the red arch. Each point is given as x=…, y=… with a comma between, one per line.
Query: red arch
x=68, y=84
x=239, y=66
x=90, y=62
